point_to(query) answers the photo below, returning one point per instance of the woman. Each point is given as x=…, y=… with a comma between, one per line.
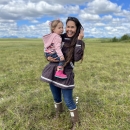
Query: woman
x=73, y=50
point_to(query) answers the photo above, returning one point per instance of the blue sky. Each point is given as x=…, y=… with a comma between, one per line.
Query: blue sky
x=30, y=18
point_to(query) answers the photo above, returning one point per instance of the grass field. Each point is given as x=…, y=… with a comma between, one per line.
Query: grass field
x=102, y=85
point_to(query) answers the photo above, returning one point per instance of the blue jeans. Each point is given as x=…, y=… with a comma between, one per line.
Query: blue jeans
x=67, y=95
x=61, y=63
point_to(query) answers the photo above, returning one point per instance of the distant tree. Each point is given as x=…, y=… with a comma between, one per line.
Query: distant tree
x=125, y=37
x=114, y=39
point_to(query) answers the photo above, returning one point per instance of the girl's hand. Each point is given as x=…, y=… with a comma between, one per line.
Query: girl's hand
x=81, y=34
x=62, y=58
x=52, y=59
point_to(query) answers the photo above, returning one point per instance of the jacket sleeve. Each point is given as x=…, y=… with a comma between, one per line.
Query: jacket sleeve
x=79, y=50
x=57, y=44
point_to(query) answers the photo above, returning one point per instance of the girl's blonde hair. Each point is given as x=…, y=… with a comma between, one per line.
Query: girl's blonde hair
x=53, y=24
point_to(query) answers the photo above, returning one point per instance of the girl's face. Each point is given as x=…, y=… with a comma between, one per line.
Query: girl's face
x=59, y=28
x=71, y=28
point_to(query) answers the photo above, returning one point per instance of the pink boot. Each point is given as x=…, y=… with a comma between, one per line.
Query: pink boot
x=59, y=74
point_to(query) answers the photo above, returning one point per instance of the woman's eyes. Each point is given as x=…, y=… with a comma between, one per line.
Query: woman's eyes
x=70, y=27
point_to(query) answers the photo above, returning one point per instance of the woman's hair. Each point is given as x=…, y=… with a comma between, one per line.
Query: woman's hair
x=73, y=42
x=53, y=24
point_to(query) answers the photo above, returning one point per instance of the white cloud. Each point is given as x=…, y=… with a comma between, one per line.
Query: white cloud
x=99, y=17
x=99, y=24
x=103, y=7
x=21, y=10
x=34, y=21
x=3, y=2
x=89, y=17
x=107, y=18
x=62, y=2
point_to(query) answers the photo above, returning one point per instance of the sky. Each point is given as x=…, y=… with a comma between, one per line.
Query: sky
x=30, y=18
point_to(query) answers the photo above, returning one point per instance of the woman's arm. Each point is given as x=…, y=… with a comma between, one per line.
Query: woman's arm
x=79, y=48
x=81, y=34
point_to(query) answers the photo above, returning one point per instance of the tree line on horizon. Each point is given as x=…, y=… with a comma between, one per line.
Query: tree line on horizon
x=125, y=37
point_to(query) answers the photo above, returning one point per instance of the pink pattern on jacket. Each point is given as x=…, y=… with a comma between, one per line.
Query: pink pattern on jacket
x=52, y=44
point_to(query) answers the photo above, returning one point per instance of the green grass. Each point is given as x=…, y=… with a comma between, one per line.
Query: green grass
x=102, y=85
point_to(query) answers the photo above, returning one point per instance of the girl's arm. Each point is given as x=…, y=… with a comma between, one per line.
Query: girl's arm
x=57, y=44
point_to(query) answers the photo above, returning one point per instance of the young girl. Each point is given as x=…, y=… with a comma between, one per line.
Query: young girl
x=52, y=46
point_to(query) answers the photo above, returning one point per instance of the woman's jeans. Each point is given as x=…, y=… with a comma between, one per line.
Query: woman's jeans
x=67, y=95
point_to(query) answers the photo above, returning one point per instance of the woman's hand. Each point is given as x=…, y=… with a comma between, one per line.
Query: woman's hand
x=81, y=34
x=52, y=59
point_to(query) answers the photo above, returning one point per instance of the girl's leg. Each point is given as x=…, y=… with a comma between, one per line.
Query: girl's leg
x=59, y=73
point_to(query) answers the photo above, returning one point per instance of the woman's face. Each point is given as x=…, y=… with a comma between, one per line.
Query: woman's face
x=71, y=28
